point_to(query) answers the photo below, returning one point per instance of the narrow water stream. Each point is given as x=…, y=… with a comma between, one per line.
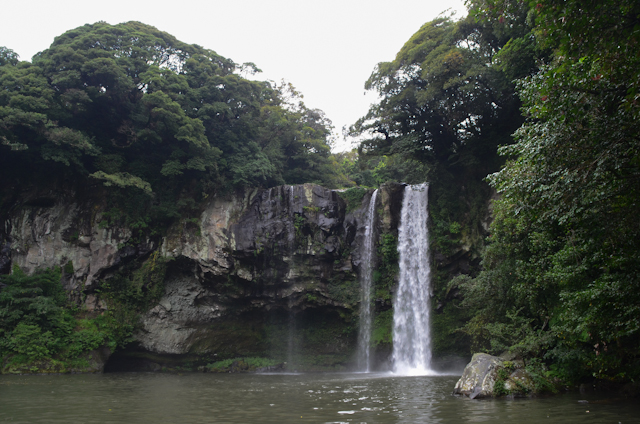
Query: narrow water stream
x=366, y=287
x=280, y=398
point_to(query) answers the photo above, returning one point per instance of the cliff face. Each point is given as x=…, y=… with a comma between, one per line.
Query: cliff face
x=263, y=273
x=251, y=264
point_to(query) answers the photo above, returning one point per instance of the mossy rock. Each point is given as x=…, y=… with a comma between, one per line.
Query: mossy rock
x=491, y=376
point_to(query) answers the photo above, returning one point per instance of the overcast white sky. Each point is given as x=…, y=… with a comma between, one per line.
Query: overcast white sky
x=327, y=49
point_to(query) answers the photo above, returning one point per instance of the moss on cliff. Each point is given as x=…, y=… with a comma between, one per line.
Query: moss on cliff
x=138, y=285
x=353, y=197
x=382, y=332
x=346, y=291
x=385, y=276
x=459, y=213
x=312, y=339
x=243, y=336
x=241, y=365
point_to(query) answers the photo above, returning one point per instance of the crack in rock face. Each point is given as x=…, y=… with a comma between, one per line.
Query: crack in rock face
x=236, y=275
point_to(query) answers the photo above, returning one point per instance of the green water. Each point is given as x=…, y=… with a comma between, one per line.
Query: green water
x=305, y=398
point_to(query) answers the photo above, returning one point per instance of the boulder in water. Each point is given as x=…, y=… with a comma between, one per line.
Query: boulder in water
x=492, y=376
x=479, y=376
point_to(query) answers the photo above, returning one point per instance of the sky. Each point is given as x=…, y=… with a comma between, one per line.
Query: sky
x=327, y=49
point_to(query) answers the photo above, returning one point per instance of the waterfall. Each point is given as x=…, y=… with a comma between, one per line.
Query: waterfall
x=411, y=338
x=366, y=277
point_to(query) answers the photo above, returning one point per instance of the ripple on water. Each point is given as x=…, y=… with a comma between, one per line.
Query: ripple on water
x=313, y=398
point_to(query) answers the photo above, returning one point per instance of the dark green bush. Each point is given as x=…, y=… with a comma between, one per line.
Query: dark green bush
x=38, y=324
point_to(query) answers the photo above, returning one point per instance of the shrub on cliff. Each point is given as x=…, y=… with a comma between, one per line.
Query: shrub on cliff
x=40, y=331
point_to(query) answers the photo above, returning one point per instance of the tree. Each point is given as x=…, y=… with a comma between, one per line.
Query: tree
x=565, y=244
x=8, y=57
x=441, y=100
x=447, y=102
x=152, y=118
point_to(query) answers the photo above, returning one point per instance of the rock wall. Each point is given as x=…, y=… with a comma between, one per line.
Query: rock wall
x=262, y=273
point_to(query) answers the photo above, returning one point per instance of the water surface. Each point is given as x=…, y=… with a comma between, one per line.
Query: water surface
x=304, y=398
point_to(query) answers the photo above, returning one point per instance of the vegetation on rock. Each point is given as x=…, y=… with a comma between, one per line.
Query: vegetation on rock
x=531, y=104
x=241, y=365
x=560, y=271
x=557, y=281
x=40, y=331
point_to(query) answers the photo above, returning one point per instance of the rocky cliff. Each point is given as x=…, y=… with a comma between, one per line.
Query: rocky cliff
x=270, y=273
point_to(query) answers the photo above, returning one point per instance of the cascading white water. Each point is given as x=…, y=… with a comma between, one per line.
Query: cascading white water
x=411, y=333
x=366, y=287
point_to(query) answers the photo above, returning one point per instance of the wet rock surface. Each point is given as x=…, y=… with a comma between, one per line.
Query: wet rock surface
x=482, y=378
x=479, y=376
x=237, y=276
x=255, y=259
x=70, y=235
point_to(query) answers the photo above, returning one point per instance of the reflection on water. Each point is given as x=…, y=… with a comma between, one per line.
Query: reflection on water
x=278, y=398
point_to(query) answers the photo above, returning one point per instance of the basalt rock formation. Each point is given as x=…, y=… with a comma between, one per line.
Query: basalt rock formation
x=268, y=273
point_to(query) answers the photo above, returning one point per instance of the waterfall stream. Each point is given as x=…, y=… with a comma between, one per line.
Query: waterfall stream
x=366, y=288
x=411, y=335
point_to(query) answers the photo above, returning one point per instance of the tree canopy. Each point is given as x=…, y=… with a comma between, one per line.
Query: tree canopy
x=161, y=123
x=536, y=100
x=441, y=101
x=553, y=87
x=135, y=107
x=564, y=248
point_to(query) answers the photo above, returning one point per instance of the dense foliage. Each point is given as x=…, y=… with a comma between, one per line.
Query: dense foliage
x=537, y=101
x=564, y=250
x=447, y=102
x=558, y=279
x=38, y=328
x=441, y=104
x=43, y=331
x=149, y=115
